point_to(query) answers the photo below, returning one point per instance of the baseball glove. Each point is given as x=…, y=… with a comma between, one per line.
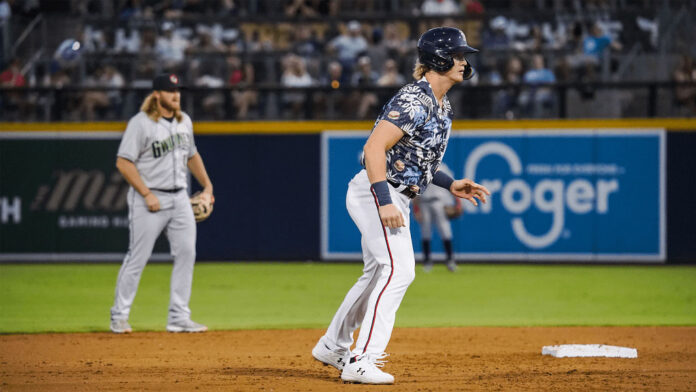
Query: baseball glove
x=202, y=204
x=453, y=212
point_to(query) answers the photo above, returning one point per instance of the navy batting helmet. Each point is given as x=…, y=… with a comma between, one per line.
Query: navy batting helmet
x=436, y=47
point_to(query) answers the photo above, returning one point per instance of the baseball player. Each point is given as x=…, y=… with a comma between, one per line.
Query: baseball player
x=401, y=158
x=155, y=154
x=430, y=210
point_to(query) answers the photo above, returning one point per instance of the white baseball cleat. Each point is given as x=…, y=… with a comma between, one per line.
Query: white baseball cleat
x=120, y=326
x=334, y=357
x=186, y=326
x=364, y=369
x=452, y=265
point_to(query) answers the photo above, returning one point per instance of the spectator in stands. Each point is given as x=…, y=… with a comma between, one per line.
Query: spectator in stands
x=241, y=74
x=377, y=50
x=563, y=71
x=64, y=105
x=390, y=75
x=685, y=96
x=574, y=40
x=144, y=73
x=364, y=76
x=440, y=7
x=496, y=38
x=587, y=76
x=58, y=79
x=334, y=77
x=305, y=43
x=12, y=75
x=204, y=41
x=104, y=101
x=13, y=102
x=93, y=40
x=331, y=104
x=126, y=40
x=170, y=47
x=295, y=75
x=473, y=7
x=255, y=43
x=208, y=72
x=349, y=45
x=595, y=44
x=537, y=100
x=533, y=43
x=309, y=48
x=505, y=101
x=233, y=39
x=396, y=44
x=148, y=41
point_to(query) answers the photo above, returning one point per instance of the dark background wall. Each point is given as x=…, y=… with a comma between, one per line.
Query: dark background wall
x=681, y=197
x=268, y=192
x=267, y=197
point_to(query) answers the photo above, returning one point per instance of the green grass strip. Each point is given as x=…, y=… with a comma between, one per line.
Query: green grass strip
x=77, y=297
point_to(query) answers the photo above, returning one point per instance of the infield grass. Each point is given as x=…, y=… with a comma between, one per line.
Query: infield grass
x=77, y=297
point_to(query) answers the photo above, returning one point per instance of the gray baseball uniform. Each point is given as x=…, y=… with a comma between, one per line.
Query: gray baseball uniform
x=432, y=209
x=160, y=151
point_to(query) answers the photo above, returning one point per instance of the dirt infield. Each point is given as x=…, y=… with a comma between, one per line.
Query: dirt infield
x=432, y=359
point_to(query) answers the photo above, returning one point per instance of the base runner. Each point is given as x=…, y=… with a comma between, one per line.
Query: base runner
x=401, y=158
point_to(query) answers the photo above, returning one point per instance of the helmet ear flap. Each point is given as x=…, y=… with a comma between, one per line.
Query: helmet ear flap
x=435, y=60
x=468, y=71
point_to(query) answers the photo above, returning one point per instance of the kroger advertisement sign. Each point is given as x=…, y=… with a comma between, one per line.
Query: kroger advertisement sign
x=568, y=195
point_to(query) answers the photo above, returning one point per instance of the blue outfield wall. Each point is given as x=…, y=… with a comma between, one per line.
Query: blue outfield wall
x=568, y=195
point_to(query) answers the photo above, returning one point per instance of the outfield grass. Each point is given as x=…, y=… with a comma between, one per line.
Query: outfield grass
x=77, y=297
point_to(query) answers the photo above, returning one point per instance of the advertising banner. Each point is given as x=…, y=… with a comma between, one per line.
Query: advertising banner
x=62, y=198
x=564, y=195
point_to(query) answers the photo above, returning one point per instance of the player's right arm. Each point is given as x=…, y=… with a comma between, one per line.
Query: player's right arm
x=383, y=138
x=128, y=152
x=130, y=173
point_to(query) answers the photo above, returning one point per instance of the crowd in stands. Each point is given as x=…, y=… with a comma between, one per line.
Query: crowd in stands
x=140, y=38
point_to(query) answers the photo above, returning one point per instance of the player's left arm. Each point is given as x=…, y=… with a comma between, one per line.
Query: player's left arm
x=464, y=188
x=195, y=164
x=469, y=190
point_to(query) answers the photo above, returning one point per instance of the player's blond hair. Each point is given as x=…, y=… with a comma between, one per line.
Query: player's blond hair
x=150, y=108
x=419, y=70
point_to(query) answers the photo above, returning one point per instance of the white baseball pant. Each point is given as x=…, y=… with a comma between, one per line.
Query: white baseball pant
x=372, y=302
x=176, y=218
x=434, y=210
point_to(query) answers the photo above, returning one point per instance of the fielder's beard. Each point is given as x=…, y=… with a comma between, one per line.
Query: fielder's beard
x=169, y=107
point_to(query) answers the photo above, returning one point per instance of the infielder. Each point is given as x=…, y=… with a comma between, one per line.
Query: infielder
x=431, y=210
x=155, y=152
x=401, y=158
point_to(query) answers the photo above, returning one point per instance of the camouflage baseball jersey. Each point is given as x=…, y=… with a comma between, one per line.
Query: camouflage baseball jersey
x=416, y=157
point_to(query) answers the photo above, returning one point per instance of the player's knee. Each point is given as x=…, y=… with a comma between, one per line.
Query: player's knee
x=186, y=254
x=407, y=275
x=403, y=276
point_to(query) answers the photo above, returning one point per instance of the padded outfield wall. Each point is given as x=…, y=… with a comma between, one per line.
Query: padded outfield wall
x=594, y=190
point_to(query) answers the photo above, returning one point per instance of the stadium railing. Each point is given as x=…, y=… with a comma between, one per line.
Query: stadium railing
x=275, y=102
